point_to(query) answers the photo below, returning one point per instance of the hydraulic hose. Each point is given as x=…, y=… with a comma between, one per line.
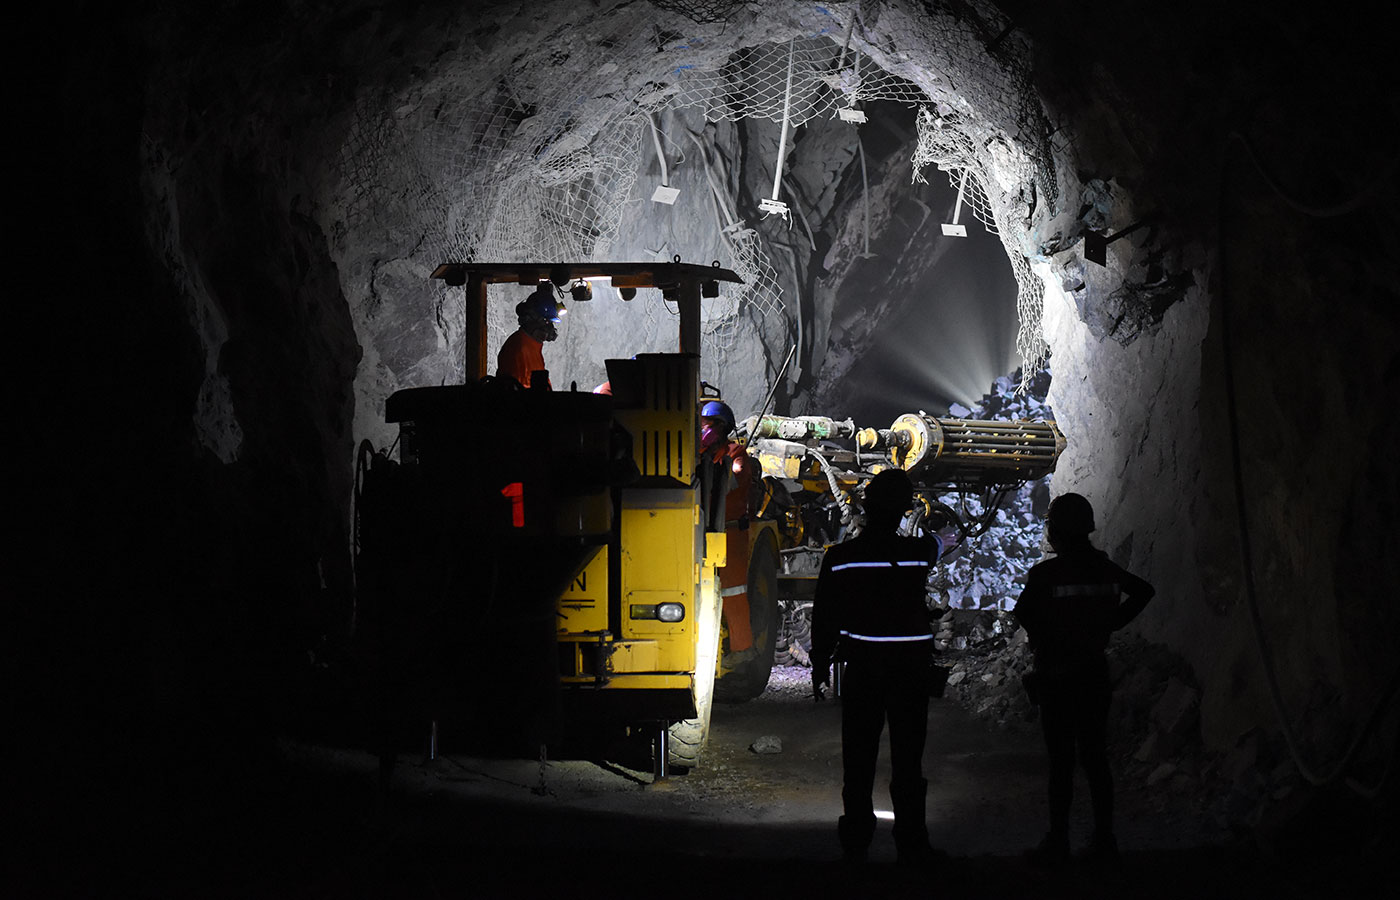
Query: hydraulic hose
x=842, y=499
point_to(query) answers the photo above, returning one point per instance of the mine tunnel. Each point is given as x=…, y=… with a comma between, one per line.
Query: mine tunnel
x=1165, y=229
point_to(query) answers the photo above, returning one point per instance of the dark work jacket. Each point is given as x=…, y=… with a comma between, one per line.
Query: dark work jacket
x=1072, y=603
x=870, y=600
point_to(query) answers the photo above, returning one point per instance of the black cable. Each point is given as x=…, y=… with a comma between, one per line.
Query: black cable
x=364, y=454
x=1316, y=212
x=1241, y=506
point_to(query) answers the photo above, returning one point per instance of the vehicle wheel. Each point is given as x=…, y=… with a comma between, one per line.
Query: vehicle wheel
x=743, y=679
x=782, y=654
x=686, y=738
x=797, y=625
x=795, y=636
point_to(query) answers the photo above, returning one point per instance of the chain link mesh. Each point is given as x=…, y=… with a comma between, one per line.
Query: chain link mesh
x=542, y=165
x=702, y=12
x=825, y=76
x=946, y=141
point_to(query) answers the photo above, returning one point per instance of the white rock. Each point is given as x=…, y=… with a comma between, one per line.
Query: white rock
x=767, y=744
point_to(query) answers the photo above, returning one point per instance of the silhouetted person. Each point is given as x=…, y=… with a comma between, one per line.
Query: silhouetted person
x=870, y=613
x=1072, y=602
x=522, y=354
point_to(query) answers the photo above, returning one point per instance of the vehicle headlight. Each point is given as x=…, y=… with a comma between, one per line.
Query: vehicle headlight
x=665, y=612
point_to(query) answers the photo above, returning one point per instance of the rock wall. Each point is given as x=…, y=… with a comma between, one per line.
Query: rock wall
x=1254, y=224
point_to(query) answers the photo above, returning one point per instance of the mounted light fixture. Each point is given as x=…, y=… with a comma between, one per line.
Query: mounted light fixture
x=772, y=205
x=664, y=193
x=1096, y=244
x=953, y=229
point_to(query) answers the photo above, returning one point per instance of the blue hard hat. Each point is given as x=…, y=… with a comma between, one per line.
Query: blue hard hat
x=540, y=304
x=718, y=409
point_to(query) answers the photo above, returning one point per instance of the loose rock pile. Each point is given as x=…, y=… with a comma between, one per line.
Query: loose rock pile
x=1161, y=763
x=989, y=571
x=988, y=654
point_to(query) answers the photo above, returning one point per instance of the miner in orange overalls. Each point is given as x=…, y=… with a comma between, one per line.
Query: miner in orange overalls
x=522, y=355
x=730, y=458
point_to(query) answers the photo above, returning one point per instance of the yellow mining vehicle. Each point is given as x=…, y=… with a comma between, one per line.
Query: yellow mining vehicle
x=537, y=563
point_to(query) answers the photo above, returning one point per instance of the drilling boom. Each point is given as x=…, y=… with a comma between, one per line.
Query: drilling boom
x=962, y=453
x=972, y=452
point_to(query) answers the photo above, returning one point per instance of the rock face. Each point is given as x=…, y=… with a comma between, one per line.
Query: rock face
x=263, y=191
x=1191, y=337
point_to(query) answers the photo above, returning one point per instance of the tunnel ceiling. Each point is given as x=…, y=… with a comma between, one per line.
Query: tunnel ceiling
x=510, y=132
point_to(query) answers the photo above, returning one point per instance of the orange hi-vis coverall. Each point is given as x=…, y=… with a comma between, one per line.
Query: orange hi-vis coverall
x=734, y=577
x=520, y=356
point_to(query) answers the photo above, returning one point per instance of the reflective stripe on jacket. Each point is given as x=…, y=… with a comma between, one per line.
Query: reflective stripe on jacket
x=870, y=598
x=1071, y=604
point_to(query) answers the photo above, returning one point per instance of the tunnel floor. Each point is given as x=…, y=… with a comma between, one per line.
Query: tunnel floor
x=310, y=823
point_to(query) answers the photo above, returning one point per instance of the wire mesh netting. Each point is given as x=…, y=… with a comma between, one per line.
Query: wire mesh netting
x=973, y=165
x=825, y=76
x=542, y=163
x=702, y=12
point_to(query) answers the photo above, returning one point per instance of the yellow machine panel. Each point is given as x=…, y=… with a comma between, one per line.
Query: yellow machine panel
x=716, y=549
x=633, y=656
x=637, y=604
x=659, y=534
x=599, y=661
x=583, y=608
x=670, y=681
x=656, y=396
x=781, y=459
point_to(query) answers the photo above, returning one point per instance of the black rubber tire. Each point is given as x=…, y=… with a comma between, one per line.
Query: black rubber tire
x=795, y=639
x=799, y=626
x=686, y=739
x=747, y=679
x=782, y=656
x=684, y=742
